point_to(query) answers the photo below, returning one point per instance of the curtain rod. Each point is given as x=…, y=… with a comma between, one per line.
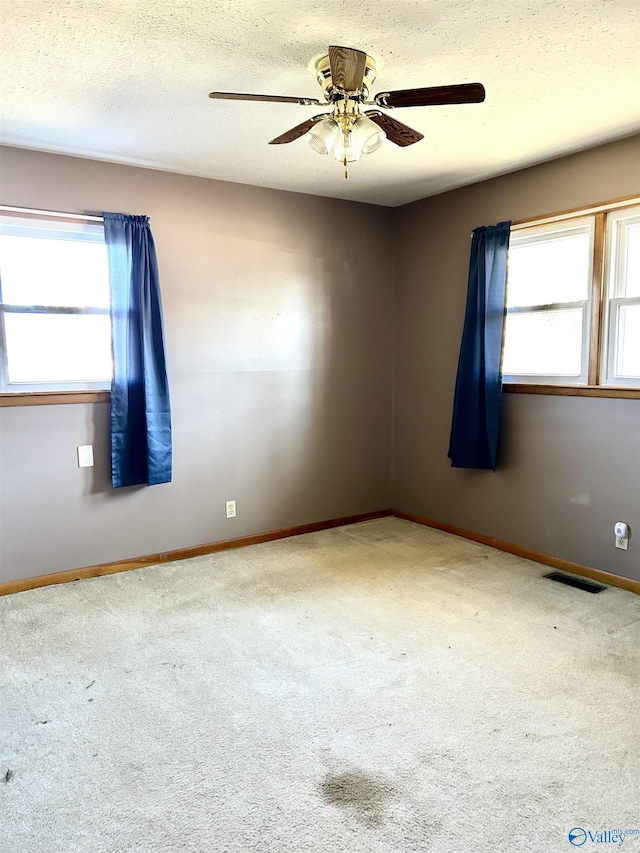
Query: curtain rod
x=32, y=211
x=575, y=212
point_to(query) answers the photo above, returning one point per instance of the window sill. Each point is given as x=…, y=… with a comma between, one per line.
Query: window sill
x=573, y=390
x=53, y=398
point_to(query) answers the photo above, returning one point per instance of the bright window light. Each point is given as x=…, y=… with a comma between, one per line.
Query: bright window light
x=621, y=358
x=547, y=343
x=548, y=307
x=628, y=342
x=55, y=328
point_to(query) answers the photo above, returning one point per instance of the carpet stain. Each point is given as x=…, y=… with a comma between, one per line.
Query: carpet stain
x=363, y=795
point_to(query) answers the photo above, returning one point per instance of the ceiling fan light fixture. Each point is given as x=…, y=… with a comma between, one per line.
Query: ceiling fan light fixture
x=324, y=135
x=345, y=75
x=367, y=134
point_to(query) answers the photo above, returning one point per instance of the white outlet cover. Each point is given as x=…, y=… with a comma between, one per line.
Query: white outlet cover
x=622, y=543
x=230, y=507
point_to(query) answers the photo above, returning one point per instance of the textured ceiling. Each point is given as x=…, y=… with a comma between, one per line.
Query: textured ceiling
x=128, y=81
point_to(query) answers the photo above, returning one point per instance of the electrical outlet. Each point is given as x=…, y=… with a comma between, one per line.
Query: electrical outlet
x=622, y=542
x=231, y=509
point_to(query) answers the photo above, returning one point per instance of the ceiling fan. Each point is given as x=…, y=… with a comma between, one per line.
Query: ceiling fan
x=345, y=76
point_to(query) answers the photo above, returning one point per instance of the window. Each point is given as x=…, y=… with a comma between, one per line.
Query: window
x=548, y=307
x=573, y=301
x=55, y=329
x=622, y=304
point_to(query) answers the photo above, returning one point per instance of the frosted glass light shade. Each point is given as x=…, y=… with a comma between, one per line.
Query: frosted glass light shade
x=367, y=135
x=323, y=136
x=347, y=148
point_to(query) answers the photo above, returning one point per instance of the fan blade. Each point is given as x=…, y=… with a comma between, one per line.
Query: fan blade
x=466, y=93
x=297, y=131
x=396, y=131
x=347, y=68
x=283, y=99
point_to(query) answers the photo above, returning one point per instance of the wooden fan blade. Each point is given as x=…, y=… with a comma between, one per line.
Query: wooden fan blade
x=397, y=132
x=347, y=68
x=297, y=131
x=466, y=93
x=283, y=99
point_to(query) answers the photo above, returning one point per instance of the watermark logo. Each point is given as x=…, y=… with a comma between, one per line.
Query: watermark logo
x=577, y=836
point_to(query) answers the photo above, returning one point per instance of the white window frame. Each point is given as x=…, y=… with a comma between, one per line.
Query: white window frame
x=614, y=280
x=8, y=216
x=537, y=233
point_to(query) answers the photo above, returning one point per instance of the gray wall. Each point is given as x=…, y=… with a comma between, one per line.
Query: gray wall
x=569, y=467
x=280, y=351
x=279, y=346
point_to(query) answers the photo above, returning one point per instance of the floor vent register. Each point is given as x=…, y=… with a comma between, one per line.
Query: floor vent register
x=579, y=583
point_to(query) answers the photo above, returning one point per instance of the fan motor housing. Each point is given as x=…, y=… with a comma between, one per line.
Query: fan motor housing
x=323, y=75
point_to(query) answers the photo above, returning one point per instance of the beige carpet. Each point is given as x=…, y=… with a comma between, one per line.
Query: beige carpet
x=379, y=687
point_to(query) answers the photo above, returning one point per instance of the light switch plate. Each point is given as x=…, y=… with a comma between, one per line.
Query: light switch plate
x=85, y=456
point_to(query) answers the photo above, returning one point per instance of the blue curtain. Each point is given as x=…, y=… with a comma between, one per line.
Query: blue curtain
x=140, y=409
x=478, y=396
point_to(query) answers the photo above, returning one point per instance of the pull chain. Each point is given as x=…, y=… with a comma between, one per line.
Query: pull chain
x=346, y=173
